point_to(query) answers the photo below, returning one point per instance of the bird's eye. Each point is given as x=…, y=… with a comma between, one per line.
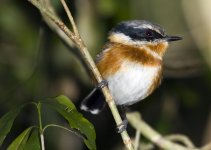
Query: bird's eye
x=148, y=33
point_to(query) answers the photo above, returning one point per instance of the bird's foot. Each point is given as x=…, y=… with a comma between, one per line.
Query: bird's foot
x=122, y=127
x=102, y=84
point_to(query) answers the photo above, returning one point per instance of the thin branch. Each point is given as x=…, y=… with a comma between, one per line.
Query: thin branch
x=53, y=18
x=47, y=4
x=146, y=146
x=180, y=138
x=63, y=37
x=156, y=138
x=137, y=140
x=88, y=59
x=135, y=120
x=75, y=30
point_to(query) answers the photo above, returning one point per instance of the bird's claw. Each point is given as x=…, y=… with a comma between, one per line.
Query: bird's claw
x=102, y=84
x=122, y=127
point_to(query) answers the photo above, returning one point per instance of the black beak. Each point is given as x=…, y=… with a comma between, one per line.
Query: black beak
x=172, y=38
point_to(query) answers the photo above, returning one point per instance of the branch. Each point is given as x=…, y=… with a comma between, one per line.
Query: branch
x=137, y=139
x=166, y=142
x=135, y=120
x=180, y=138
x=64, y=38
x=70, y=18
x=89, y=61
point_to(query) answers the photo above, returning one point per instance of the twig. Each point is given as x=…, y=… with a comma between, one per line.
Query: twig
x=151, y=134
x=88, y=59
x=137, y=140
x=180, y=138
x=146, y=146
x=64, y=38
x=162, y=142
x=75, y=30
x=52, y=25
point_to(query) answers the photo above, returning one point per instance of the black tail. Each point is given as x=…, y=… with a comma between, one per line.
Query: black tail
x=94, y=102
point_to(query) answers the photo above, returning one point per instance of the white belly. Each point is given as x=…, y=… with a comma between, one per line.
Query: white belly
x=131, y=83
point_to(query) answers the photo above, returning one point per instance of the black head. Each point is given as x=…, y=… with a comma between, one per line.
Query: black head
x=142, y=30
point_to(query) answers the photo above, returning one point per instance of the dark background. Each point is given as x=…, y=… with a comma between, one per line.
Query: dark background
x=35, y=64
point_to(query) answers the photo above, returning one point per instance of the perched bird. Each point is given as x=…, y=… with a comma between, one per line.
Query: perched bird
x=131, y=63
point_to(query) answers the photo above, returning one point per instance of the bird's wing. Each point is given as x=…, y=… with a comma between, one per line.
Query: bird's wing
x=100, y=55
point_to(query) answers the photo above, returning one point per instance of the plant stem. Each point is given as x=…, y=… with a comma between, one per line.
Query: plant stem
x=137, y=139
x=156, y=138
x=55, y=125
x=75, y=30
x=40, y=125
x=42, y=141
x=64, y=128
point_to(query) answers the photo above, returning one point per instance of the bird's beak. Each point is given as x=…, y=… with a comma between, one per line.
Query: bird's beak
x=172, y=38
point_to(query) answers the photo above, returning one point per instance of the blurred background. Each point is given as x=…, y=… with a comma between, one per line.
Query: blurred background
x=35, y=64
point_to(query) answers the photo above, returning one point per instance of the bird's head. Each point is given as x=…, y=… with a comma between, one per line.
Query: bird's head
x=143, y=34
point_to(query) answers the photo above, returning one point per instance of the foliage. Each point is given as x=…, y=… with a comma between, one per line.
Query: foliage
x=6, y=123
x=30, y=137
x=75, y=119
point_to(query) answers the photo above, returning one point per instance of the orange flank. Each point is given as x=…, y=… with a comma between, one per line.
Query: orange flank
x=113, y=58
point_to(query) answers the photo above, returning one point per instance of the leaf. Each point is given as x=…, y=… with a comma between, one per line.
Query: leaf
x=67, y=109
x=20, y=141
x=6, y=122
x=34, y=141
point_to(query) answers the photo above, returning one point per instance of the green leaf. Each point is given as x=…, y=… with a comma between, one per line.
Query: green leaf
x=67, y=109
x=6, y=122
x=20, y=141
x=34, y=141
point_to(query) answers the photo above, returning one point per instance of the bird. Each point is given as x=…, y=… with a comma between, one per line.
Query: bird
x=131, y=64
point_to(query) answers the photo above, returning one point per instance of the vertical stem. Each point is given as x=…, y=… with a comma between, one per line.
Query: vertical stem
x=42, y=141
x=40, y=125
x=137, y=139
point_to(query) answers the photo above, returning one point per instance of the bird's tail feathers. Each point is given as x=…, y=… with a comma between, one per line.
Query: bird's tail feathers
x=94, y=102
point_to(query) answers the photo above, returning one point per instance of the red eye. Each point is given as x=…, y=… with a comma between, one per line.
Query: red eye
x=149, y=33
